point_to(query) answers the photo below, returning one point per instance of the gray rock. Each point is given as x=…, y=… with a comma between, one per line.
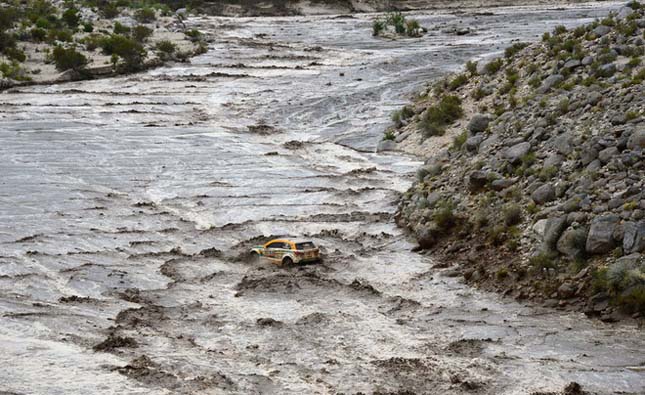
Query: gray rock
x=433, y=198
x=600, y=238
x=427, y=235
x=633, y=237
x=624, y=12
x=472, y=143
x=571, y=204
x=386, y=145
x=594, y=165
x=594, y=98
x=636, y=140
x=572, y=64
x=549, y=82
x=477, y=180
x=601, y=30
x=588, y=155
x=564, y=144
x=607, y=154
x=566, y=290
x=553, y=160
x=543, y=194
x=515, y=153
x=572, y=242
x=607, y=70
x=552, y=232
x=587, y=60
x=502, y=183
x=478, y=123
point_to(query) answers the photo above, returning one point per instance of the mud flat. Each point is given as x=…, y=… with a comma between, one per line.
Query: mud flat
x=127, y=206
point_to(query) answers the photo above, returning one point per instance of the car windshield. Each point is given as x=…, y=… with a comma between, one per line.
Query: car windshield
x=305, y=246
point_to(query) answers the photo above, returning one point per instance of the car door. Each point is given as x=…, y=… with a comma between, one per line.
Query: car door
x=273, y=251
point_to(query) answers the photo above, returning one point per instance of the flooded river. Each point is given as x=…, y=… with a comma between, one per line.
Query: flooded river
x=127, y=205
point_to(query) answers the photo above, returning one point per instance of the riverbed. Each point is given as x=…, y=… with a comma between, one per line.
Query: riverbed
x=127, y=207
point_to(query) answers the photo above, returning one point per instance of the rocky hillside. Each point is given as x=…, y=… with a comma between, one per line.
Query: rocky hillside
x=534, y=180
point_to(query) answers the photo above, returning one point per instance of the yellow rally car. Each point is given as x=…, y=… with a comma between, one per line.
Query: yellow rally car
x=287, y=252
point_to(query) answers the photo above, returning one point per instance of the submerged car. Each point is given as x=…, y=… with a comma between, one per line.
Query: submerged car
x=287, y=252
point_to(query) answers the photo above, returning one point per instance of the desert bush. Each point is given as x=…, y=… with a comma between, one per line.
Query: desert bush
x=397, y=20
x=125, y=48
x=38, y=34
x=412, y=28
x=194, y=34
x=542, y=261
x=512, y=214
x=547, y=173
x=560, y=29
x=71, y=17
x=109, y=10
x=141, y=33
x=165, y=49
x=471, y=67
x=438, y=116
x=494, y=66
x=121, y=29
x=443, y=215
x=378, y=26
x=389, y=135
x=458, y=82
x=145, y=15
x=68, y=59
x=13, y=70
x=459, y=140
x=514, y=49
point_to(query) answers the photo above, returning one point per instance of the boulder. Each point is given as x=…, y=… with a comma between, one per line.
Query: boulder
x=472, y=143
x=637, y=140
x=386, y=145
x=601, y=30
x=572, y=242
x=478, y=123
x=477, y=180
x=594, y=98
x=549, y=82
x=502, y=183
x=543, y=194
x=624, y=12
x=552, y=231
x=588, y=155
x=600, y=238
x=607, y=70
x=427, y=235
x=634, y=237
x=566, y=290
x=553, y=160
x=587, y=60
x=572, y=64
x=515, y=153
x=607, y=154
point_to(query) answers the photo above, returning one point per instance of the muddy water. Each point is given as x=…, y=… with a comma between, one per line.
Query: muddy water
x=126, y=206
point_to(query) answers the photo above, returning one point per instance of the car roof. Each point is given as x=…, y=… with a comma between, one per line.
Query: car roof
x=295, y=241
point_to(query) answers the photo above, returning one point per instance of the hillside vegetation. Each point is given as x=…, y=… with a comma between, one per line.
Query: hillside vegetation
x=534, y=182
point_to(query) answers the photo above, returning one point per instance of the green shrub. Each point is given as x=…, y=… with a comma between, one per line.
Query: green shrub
x=125, y=48
x=378, y=26
x=165, y=49
x=546, y=36
x=413, y=28
x=514, y=49
x=68, y=59
x=194, y=34
x=459, y=140
x=437, y=117
x=563, y=106
x=547, y=173
x=443, y=215
x=397, y=20
x=38, y=34
x=121, y=29
x=471, y=67
x=71, y=17
x=389, y=135
x=88, y=27
x=145, y=15
x=542, y=261
x=13, y=70
x=512, y=214
x=494, y=66
x=559, y=30
x=141, y=33
x=15, y=54
x=109, y=10
x=535, y=82
x=458, y=82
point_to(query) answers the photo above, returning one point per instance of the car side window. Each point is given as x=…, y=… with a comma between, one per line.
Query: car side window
x=276, y=245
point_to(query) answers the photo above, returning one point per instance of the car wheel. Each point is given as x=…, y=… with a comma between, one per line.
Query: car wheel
x=255, y=257
x=287, y=261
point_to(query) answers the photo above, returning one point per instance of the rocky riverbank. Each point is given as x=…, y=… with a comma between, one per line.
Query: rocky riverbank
x=50, y=42
x=534, y=180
